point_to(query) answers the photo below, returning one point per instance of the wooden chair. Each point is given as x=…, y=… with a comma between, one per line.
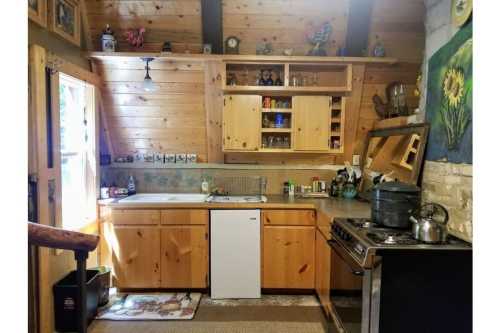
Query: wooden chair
x=81, y=244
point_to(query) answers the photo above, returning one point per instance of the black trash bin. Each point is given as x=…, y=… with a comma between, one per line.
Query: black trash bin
x=65, y=294
x=104, y=277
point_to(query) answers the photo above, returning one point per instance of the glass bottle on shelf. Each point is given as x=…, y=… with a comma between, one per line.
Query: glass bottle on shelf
x=294, y=81
x=315, y=79
x=299, y=79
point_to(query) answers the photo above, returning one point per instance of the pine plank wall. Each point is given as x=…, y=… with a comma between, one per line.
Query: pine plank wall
x=174, y=119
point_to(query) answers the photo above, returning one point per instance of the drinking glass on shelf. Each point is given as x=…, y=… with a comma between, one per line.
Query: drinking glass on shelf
x=294, y=81
x=286, y=142
x=305, y=81
x=278, y=142
x=315, y=79
x=270, y=141
x=299, y=80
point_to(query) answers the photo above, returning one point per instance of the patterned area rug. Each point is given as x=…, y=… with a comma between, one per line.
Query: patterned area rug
x=155, y=306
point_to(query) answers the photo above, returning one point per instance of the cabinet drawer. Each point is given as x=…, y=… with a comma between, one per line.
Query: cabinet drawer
x=289, y=217
x=135, y=217
x=184, y=216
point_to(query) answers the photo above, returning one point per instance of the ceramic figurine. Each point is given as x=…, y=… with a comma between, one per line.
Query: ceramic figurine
x=288, y=52
x=318, y=38
x=167, y=47
x=378, y=49
x=108, y=40
x=264, y=48
x=231, y=79
x=207, y=48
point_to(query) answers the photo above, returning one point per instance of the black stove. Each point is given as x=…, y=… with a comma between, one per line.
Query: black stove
x=363, y=239
x=398, y=276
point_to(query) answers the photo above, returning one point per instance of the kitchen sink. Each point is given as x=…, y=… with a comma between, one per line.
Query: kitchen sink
x=165, y=197
x=237, y=198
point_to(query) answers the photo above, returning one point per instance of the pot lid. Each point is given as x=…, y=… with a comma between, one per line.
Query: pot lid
x=397, y=187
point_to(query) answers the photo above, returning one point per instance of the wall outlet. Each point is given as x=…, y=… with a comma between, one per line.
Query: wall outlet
x=355, y=159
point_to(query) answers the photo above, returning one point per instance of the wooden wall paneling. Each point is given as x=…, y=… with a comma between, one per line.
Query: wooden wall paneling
x=214, y=102
x=376, y=80
x=177, y=21
x=85, y=27
x=400, y=27
x=353, y=102
x=104, y=122
x=283, y=23
x=170, y=120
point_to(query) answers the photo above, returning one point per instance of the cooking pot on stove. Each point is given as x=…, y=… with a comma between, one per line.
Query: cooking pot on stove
x=393, y=202
x=429, y=225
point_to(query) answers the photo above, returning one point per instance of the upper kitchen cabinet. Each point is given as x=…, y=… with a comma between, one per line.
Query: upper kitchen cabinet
x=312, y=125
x=241, y=122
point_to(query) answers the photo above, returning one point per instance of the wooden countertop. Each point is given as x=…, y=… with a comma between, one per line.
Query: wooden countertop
x=327, y=208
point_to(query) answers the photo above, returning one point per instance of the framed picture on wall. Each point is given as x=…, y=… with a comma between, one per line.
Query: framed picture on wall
x=37, y=11
x=65, y=19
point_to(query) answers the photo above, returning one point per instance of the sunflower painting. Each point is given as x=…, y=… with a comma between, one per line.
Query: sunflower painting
x=449, y=100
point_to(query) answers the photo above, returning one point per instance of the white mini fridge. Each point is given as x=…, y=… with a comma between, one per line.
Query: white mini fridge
x=235, y=253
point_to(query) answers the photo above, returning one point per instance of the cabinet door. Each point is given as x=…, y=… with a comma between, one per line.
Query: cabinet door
x=184, y=256
x=322, y=284
x=288, y=257
x=241, y=122
x=312, y=122
x=136, y=257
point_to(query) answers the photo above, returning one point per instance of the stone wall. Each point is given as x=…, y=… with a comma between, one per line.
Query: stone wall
x=446, y=183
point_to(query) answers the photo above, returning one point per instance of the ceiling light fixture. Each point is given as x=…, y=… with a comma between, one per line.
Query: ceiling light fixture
x=148, y=84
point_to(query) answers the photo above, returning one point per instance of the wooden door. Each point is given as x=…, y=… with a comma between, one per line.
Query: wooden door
x=322, y=284
x=288, y=257
x=136, y=257
x=312, y=122
x=184, y=256
x=241, y=122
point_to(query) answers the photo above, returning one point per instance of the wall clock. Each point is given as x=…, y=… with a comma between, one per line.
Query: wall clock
x=232, y=45
x=460, y=11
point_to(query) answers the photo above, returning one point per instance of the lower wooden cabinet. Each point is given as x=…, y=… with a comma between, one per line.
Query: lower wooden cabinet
x=322, y=284
x=136, y=257
x=171, y=255
x=184, y=256
x=288, y=257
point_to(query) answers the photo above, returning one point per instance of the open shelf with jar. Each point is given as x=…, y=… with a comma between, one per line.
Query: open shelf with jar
x=337, y=124
x=254, y=76
x=287, y=78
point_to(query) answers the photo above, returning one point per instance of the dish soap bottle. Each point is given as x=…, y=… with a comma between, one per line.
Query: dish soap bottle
x=131, y=185
x=204, y=187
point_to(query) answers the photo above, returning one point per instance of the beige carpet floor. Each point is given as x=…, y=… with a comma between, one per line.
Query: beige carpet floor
x=230, y=318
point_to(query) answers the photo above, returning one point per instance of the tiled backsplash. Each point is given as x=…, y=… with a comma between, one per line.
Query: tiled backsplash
x=189, y=180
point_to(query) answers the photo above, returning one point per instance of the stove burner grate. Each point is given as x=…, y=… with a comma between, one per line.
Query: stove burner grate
x=391, y=238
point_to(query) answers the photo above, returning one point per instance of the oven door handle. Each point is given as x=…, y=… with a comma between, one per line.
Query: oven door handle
x=343, y=253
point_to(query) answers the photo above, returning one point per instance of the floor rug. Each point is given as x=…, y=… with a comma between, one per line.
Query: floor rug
x=154, y=306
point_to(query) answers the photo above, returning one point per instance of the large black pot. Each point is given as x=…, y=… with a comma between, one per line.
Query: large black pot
x=393, y=202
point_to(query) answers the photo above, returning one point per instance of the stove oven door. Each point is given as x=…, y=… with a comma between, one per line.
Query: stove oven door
x=350, y=290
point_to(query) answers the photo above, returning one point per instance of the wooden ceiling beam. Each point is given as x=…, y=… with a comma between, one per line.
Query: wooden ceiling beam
x=358, y=27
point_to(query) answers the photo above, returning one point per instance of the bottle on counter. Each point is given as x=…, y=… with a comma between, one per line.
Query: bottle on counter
x=204, y=187
x=291, y=188
x=131, y=185
x=104, y=191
